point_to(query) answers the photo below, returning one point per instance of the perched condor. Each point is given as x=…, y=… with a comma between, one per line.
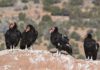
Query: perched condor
x=12, y=36
x=29, y=36
x=59, y=41
x=90, y=47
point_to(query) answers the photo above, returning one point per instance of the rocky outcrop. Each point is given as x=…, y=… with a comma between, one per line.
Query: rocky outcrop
x=42, y=60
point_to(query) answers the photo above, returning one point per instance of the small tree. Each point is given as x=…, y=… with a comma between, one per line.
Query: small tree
x=24, y=1
x=25, y=7
x=96, y=2
x=7, y=3
x=21, y=26
x=44, y=26
x=36, y=1
x=75, y=36
x=75, y=48
x=22, y=16
x=98, y=35
x=56, y=11
x=46, y=18
x=48, y=3
x=76, y=2
x=2, y=46
x=80, y=56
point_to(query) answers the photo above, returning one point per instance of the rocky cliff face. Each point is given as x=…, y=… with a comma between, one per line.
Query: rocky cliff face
x=42, y=60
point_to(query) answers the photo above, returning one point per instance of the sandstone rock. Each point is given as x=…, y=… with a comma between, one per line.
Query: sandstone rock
x=42, y=60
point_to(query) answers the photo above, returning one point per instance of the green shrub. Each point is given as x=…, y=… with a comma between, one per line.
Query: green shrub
x=73, y=11
x=76, y=2
x=25, y=7
x=75, y=36
x=30, y=21
x=96, y=2
x=21, y=26
x=88, y=23
x=46, y=18
x=27, y=21
x=80, y=56
x=7, y=3
x=76, y=12
x=98, y=35
x=48, y=3
x=50, y=46
x=2, y=46
x=75, y=48
x=62, y=26
x=56, y=11
x=24, y=1
x=22, y=16
x=36, y=1
x=44, y=26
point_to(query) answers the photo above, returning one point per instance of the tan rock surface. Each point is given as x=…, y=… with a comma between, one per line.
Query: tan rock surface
x=42, y=60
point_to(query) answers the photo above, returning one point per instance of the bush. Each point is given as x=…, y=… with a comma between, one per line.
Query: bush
x=73, y=11
x=36, y=1
x=46, y=18
x=59, y=12
x=96, y=2
x=48, y=3
x=75, y=48
x=80, y=56
x=22, y=16
x=24, y=1
x=75, y=36
x=2, y=46
x=44, y=26
x=7, y=3
x=65, y=12
x=21, y=26
x=30, y=21
x=25, y=7
x=43, y=29
x=55, y=11
x=98, y=35
x=50, y=46
x=27, y=21
x=76, y=12
x=87, y=23
x=62, y=26
x=98, y=54
x=76, y=2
